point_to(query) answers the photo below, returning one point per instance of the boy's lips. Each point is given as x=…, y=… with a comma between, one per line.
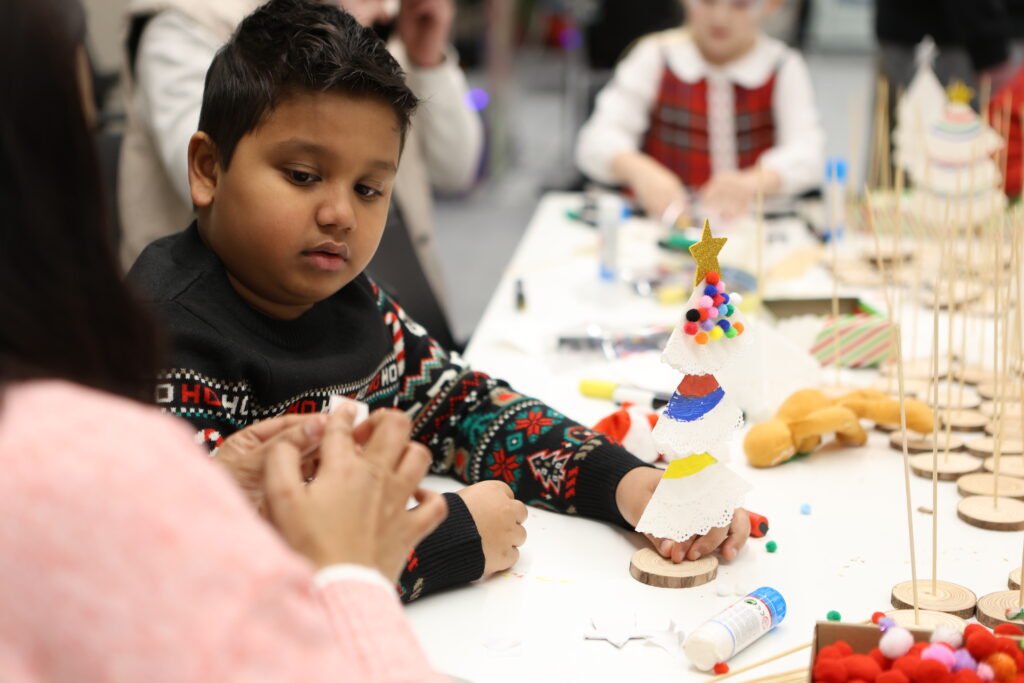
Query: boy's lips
x=327, y=255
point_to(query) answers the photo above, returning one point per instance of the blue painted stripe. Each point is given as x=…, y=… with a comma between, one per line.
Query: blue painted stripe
x=690, y=408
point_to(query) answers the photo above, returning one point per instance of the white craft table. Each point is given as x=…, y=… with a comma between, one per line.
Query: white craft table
x=528, y=624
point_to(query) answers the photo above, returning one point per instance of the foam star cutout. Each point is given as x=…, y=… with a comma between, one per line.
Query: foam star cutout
x=705, y=253
x=960, y=93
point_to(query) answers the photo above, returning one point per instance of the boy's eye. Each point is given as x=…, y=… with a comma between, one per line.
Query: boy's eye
x=300, y=177
x=367, y=192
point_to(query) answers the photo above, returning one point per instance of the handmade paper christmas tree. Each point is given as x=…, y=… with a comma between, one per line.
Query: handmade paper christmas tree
x=954, y=175
x=697, y=492
x=919, y=106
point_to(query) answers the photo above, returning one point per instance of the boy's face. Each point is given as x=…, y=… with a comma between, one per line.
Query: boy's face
x=725, y=29
x=300, y=210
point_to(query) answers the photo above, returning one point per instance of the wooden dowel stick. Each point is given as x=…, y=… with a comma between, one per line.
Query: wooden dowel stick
x=906, y=470
x=759, y=249
x=764, y=661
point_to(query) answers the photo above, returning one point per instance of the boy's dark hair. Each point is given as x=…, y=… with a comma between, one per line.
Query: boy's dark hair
x=287, y=46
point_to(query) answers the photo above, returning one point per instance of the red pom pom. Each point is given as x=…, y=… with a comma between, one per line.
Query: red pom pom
x=966, y=676
x=721, y=668
x=907, y=665
x=931, y=671
x=703, y=314
x=1009, y=630
x=1007, y=645
x=829, y=652
x=712, y=277
x=718, y=299
x=843, y=647
x=893, y=676
x=883, y=661
x=876, y=617
x=690, y=328
x=861, y=666
x=981, y=644
x=830, y=671
x=972, y=629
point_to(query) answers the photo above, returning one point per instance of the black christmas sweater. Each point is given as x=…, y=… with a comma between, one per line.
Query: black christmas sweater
x=232, y=366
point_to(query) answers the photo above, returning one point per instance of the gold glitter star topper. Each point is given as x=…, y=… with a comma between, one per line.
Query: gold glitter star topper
x=705, y=253
x=959, y=92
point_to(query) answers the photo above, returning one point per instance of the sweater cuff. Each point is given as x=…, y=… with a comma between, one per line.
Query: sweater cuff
x=350, y=572
x=599, y=476
x=450, y=556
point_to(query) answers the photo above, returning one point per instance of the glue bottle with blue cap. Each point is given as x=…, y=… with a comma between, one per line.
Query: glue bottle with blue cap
x=612, y=210
x=835, y=187
x=736, y=627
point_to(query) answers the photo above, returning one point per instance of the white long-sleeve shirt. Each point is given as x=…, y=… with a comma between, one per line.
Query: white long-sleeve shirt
x=622, y=114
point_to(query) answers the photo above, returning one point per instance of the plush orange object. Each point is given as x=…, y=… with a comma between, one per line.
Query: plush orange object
x=808, y=414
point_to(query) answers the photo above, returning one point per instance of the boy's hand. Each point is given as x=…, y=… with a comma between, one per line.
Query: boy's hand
x=730, y=193
x=424, y=26
x=656, y=188
x=499, y=519
x=634, y=492
x=243, y=453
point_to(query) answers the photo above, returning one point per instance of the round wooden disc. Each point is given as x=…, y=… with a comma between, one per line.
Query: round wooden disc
x=918, y=369
x=980, y=511
x=986, y=446
x=1013, y=580
x=917, y=443
x=992, y=608
x=1010, y=428
x=973, y=374
x=912, y=387
x=887, y=427
x=928, y=619
x=969, y=401
x=950, y=467
x=1012, y=465
x=963, y=420
x=649, y=567
x=984, y=484
x=988, y=390
x=1009, y=408
x=948, y=597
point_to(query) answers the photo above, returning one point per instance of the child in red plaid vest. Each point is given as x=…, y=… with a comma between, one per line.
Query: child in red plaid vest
x=697, y=108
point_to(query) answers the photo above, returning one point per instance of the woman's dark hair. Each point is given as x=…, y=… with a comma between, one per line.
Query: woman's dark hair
x=64, y=311
x=289, y=46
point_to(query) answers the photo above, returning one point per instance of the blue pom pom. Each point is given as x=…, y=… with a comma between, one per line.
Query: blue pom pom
x=805, y=509
x=725, y=298
x=724, y=324
x=711, y=291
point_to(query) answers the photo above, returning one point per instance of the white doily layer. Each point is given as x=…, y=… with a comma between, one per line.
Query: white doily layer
x=693, y=505
x=690, y=358
x=675, y=439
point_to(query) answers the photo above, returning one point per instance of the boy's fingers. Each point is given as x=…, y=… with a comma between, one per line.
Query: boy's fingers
x=337, y=443
x=265, y=430
x=413, y=466
x=283, y=481
x=390, y=437
x=521, y=512
x=707, y=543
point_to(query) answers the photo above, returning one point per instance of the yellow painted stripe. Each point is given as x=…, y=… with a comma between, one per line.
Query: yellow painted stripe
x=684, y=467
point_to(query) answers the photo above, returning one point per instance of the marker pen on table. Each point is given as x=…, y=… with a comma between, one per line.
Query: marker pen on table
x=622, y=393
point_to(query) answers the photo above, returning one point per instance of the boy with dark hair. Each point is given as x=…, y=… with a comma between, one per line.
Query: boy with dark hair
x=291, y=171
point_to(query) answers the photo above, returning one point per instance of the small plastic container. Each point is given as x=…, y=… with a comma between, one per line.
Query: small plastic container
x=736, y=627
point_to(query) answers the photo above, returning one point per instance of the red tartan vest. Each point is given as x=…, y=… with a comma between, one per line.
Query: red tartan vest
x=678, y=132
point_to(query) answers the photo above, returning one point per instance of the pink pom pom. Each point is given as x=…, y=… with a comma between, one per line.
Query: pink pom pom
x=940, y=653
x=705, y=302
x=690, y=328
x=720, y=286
x=985, y=672
x=712, y=312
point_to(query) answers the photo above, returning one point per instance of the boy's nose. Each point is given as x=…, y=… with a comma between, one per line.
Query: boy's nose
x=336, y=213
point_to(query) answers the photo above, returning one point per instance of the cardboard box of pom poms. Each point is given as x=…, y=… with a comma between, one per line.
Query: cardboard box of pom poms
x=861, y=637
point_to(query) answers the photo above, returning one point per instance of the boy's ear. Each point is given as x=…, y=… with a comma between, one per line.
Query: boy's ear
x=203, y=168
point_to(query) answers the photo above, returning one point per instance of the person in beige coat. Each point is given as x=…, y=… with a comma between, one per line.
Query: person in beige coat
x=170, y=44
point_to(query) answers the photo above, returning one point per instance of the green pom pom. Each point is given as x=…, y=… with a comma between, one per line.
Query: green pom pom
x=771, y=546
x=834, y=616
x=731, y=332
x=729, y=310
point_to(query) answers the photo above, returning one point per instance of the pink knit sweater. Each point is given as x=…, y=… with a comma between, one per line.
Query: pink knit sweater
x=126, y=555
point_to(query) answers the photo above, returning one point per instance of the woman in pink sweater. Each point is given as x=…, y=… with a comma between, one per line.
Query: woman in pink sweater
x=125, y=553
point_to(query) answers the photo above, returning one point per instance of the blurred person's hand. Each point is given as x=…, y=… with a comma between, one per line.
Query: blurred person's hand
x=656, y=188
x=729, y=193
x=355, y=510
x=424, y=27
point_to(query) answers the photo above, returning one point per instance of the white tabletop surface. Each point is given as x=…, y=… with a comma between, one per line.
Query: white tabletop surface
x=528, y=623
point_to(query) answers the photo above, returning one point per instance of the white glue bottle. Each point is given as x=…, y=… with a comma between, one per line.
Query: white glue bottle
x=736, y=627
x=611, y=211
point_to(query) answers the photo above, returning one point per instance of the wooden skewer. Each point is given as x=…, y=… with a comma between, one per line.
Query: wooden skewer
x=748, y=667
x=906, y=470
x=943, y=266
x=986, y=93
x=997, y=266
x=791, y=676
x=759, y=250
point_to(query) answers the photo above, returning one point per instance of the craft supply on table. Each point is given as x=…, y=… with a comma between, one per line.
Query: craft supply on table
x=736, y=627
x=611, y=212
x=622, y=393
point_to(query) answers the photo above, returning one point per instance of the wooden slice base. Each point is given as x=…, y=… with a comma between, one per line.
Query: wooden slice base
x=1013, y=580
x=887, y=428
x=988, y=390
x=992, y=608
x=949, y=598
x=973, y=374
x=913, y=387
x=986, y=446
x=918, y=370
x=1010, y=428
x=980, y=511
x=917, y=443
x=969, y=401
x=963, y=420
x=649, y=567
x=1011, y=465
x=984, y=484
x=950, y=467
x=1009, y=408
x=928, y=619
